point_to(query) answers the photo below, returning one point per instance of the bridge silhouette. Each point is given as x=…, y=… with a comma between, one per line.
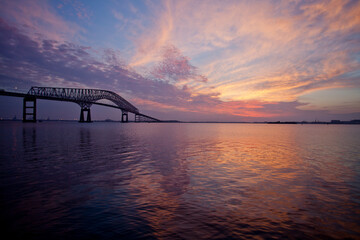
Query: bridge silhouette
x=84, y=97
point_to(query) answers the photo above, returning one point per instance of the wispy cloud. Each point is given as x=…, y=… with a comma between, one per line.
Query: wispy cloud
x=25, y=62
x=240, y=59
x=270, y=51
x=157, y=35
x=54, y=63
x=38, y=18
x=78, y=7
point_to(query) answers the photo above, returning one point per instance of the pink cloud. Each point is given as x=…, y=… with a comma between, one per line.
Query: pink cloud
x=26, y=62
x=153, y=32
x=37, y=17
x=176, y=67
x=259, y=50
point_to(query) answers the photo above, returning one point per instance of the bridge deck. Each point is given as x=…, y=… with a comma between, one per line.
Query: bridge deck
x=23, y=95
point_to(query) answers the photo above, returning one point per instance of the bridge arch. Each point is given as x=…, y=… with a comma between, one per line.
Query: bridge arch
x=84, y=97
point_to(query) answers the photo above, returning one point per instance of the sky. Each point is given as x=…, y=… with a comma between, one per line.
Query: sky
x=190, y=60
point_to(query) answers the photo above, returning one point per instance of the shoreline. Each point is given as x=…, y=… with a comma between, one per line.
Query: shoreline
x=333, y=122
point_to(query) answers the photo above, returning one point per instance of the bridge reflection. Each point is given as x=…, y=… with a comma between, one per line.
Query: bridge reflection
x=85, y=98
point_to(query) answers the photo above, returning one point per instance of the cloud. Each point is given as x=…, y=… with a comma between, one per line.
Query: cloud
x=38, y=18
x=25, y=61
x=344, y=100
x=260, y=49
x=155, y=33
x=176, y=67
x=54, y=63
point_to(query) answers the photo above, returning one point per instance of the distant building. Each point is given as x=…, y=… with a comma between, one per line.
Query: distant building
x=355, y=121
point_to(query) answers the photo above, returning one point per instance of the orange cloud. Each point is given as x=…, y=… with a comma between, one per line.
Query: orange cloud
x=149, y=104
x=151, y=41
x=251, y=59
x=258, y=50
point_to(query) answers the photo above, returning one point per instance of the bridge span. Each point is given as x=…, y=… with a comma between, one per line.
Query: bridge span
x=85, y=98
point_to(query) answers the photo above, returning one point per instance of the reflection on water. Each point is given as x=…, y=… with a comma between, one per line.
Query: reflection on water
x=179, y=181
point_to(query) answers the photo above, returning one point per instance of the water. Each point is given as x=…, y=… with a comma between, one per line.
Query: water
x=179, y=181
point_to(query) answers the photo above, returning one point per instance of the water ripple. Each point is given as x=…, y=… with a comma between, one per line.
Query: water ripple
x=179, y=181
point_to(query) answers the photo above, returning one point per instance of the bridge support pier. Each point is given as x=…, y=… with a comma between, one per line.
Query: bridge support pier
x=29, y=109
x=124, y=117
x=88, y=117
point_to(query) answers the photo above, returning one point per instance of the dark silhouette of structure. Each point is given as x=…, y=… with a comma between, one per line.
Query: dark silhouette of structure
x=84, y=97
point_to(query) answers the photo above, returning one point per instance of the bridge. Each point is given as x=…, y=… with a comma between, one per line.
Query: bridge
x=85, y=98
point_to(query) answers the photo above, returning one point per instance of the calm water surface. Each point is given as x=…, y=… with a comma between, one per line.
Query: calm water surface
x=179, y=181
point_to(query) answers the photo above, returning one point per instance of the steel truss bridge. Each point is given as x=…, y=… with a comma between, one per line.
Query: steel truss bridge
x=84, y=97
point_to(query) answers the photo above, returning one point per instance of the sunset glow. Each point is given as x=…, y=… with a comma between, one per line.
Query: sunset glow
x=191, y=60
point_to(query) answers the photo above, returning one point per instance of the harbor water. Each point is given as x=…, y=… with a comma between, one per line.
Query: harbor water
x=108, y=180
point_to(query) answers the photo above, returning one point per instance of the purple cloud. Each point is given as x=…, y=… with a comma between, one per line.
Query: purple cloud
x=25, y=62
x=28, y=62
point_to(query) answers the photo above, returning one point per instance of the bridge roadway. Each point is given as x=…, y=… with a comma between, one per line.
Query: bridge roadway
x=139, y=117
